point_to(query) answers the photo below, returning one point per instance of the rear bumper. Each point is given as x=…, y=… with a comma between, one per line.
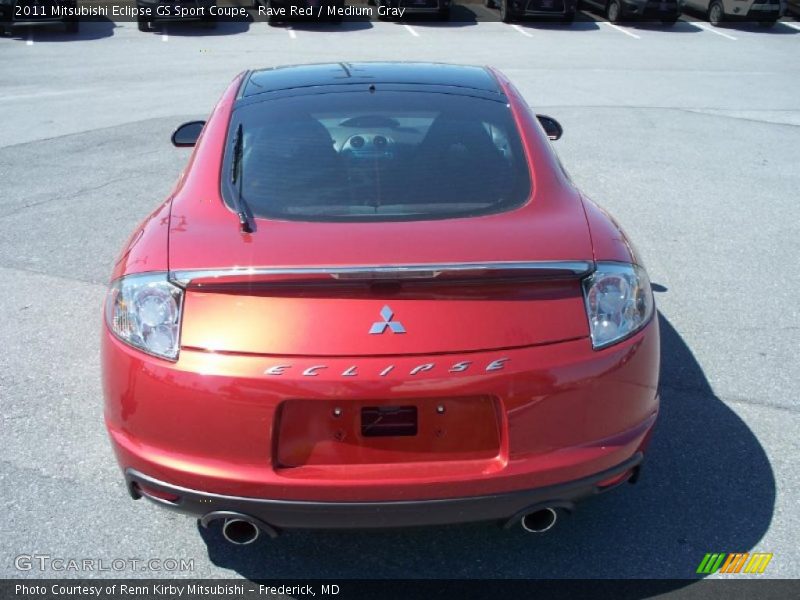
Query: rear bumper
x=651, y=9
x=216, y=422
x=287, y=514
x=411, y=7
x=33, y=15
x=764, y=12
x=543, y=8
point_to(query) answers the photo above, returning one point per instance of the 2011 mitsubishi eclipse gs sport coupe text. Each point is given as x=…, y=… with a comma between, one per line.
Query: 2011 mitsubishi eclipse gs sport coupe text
x=374, y=299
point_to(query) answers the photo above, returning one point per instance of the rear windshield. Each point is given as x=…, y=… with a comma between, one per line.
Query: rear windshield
x=382, y=155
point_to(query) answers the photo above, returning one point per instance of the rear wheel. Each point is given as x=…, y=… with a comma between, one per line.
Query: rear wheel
x=614, y=11
x=506, y=16
x=272, y=19
x=336, y=18
x=142, y=23
x=716, y=14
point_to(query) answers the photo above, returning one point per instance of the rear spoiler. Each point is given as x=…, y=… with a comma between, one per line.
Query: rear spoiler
x=573, y=269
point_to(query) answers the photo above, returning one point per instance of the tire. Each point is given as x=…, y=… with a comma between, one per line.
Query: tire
x=72, y=26
x=143, y=24
x=506, y=16
x=444, y=14
x=334, y=19
x=716, y=14
x=272, y=20
x=614, y=11
x=568, y=17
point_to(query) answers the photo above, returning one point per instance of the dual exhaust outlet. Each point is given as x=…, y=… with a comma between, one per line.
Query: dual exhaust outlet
x=540, y=520
x=239, y=529
x=242, y=530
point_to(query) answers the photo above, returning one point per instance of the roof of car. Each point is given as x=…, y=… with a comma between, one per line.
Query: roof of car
x=403, y=73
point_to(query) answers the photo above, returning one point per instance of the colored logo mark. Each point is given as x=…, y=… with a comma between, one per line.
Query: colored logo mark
x=734, y=562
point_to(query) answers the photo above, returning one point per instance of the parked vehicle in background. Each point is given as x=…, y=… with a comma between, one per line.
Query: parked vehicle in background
x=763, y=12
x=666, y=11
x=28, y=13
x=793, y=8
x=513, y=10
x=439, y=8
x=152, y=11
x=302, y=5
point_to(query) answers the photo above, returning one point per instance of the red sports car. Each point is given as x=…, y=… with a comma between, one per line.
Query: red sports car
x=376, y=299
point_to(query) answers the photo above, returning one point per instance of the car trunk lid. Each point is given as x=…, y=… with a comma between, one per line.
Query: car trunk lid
x=408, y=288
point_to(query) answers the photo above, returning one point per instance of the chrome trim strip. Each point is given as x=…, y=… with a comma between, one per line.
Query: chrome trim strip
x=573, y=268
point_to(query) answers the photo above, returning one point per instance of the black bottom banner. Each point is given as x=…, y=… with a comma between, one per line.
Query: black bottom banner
x=572, y=589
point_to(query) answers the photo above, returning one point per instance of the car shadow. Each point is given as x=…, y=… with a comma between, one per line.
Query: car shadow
x=658, y=26
x=691, y=15
x=778, y=29
x=582, y=22
x=198, y=29
x=707, y=486
x=95, y=29
x=347, y=24
x=460, y=16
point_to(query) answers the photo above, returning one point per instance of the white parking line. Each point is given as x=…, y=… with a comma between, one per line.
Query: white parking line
x=411, y=30
x=792, y=25
x=165, y=35
x=625, y=31
x=705, y=27
x=29, y=42
x=291, y=32
x=521, y=30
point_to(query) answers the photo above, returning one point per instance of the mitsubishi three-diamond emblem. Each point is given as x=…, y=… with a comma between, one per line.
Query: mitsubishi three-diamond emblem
x=379, y=327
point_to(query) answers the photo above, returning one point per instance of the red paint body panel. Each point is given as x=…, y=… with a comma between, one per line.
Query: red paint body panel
x=146, y=249
x=246, y=410
x=337, y=324
x=609, y=240
x=208, y=421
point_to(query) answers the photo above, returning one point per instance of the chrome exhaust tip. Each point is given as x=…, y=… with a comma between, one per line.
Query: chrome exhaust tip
x=539, y=521
x=240, y=532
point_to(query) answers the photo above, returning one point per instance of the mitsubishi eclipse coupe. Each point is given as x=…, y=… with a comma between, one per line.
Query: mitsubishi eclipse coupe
x=373, y=299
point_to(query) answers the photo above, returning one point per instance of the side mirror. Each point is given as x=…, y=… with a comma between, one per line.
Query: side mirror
x=186, y=135
x=551, y=127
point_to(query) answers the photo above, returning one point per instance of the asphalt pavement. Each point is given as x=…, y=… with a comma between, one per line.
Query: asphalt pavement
x=688, y=135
